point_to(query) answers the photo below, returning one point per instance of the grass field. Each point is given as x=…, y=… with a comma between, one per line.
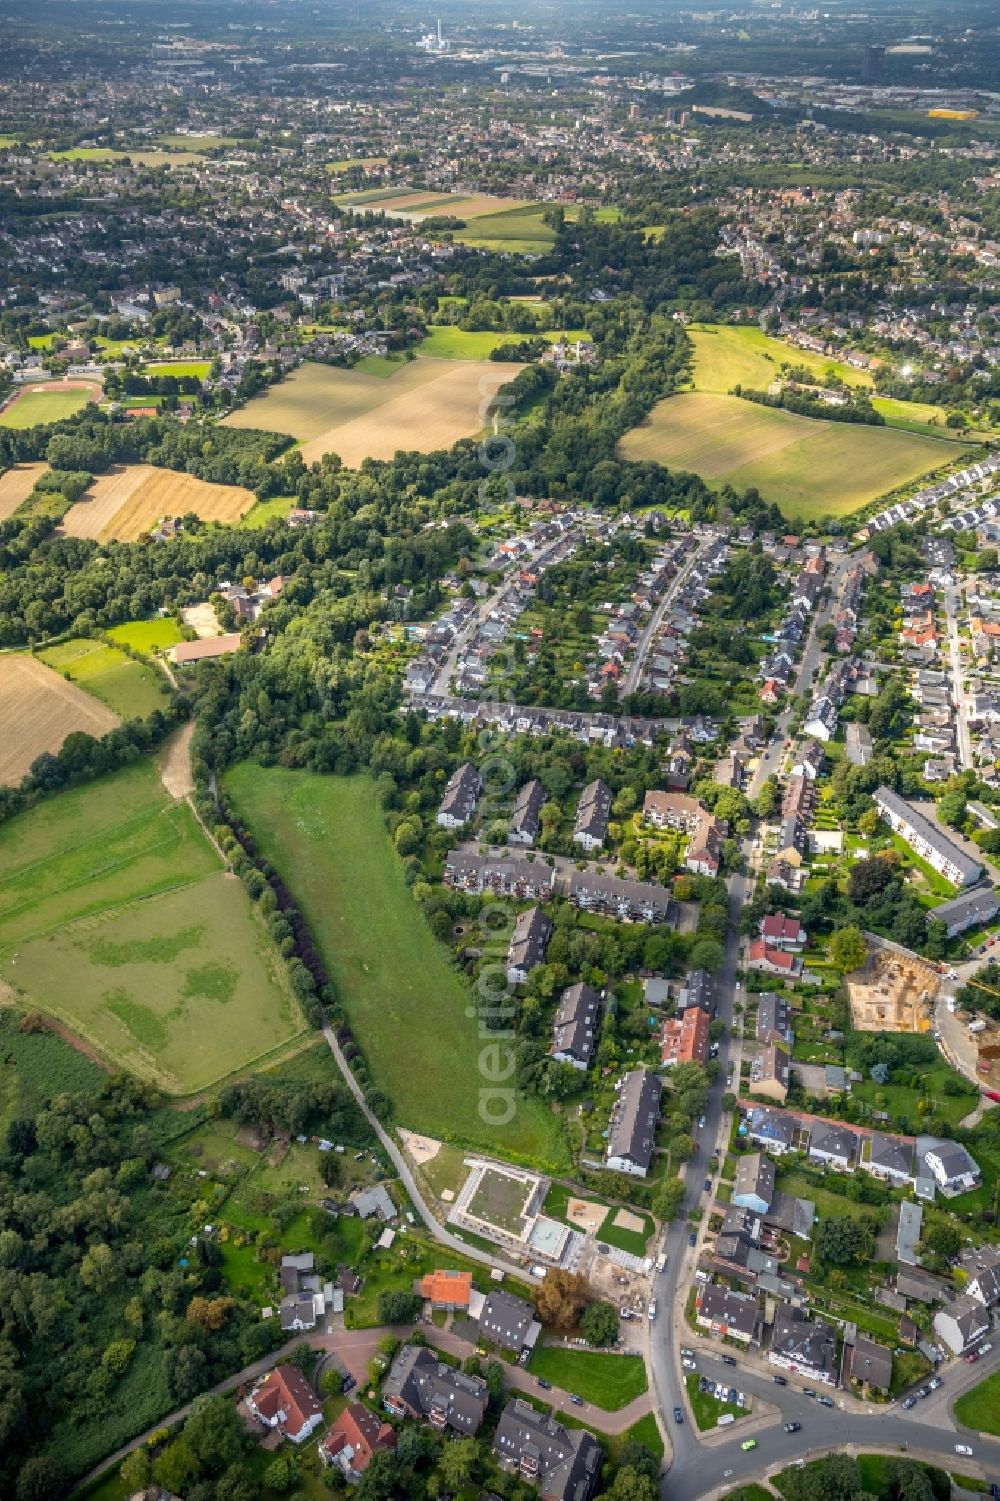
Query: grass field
x=426, y=404
x=117, y=919
x=102, y=155
x=406, y=1004
x=197, y=143
x=124, y=504
x=37, y=1066
x=706, y=1406
x=445, y=342
x=609, y=1381
x=521, y=231
x=126, y=687
x=147, y=635
x=980, y=1408
x=199, y=368
x=38, y=709
x=16, y=485
x=809, y=467
x=265, y=511
x=726, y=356
x=39, y=404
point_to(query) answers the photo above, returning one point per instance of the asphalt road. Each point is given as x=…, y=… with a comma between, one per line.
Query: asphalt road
x=653, y=624
x=952, y=606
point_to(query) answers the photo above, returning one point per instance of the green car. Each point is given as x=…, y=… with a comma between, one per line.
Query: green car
x=749, y=1443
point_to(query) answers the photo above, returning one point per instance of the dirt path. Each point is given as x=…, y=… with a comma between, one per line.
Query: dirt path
x=175, y=762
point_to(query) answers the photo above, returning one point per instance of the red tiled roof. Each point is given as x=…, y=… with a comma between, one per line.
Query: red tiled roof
x=286, y=1390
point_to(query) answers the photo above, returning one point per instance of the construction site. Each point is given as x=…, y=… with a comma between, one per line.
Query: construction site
x=895, y=991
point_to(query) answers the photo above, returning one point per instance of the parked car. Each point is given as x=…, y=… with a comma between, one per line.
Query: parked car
x=545, y=1385
x=577, y=1401
x=825, y=1401
x=729, y=1360
x=910, y=1402
x=932, y=1386
x=688, y=1363
x=972, y=1357
x=693, y=1239
x=792, y=1427
x=748, y=1443
x=348, y=1384
x=808, y=1391
x=678, y=1415
x=651, y=1311
x=962, y=1449
x=707, y=1185
x=779, y=1380
x=924, y=1391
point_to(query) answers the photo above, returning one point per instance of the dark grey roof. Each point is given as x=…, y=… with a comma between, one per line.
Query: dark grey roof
x=574, y=1028
x=506, y=1319
x=424, y=1384
x=593, y=810
x=893, y=1153
x=525, y=818
x=970, y=909
x=928, y=832
x=808, y=1342
x=635, y=1116
x=872, y=1363
x=836, y=1140
x=530, y=939
x=698, y=990
x=627, y=898
x=461, y=793
x=565, y=1463
x=774, y=1016
x=771, y=1125
x=736, y=1310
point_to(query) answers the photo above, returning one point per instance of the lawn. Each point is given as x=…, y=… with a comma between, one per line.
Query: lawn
x=980, y=1407
x=707, y=1408
x=266, y=510
x=34, y=407
x=517, y=230
x=805, y=465
x=199, y=368
x=608, y=1381
x=130, y=689
x=726, y=356
x=634, y=1241
x=117, y=919
x=902, y=1102
x=408, y=1007
x=148, y=636
x=445, y=342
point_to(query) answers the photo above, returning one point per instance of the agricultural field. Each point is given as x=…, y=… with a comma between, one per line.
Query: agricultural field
x=521, y=231
x=807, y=466
x=148, y=636
x=445, y=342
x=37, y=1066
x=102, y=155
x=128, y=688
x=425, y=404
x=198, y=143
x=727, y=356
x=50, y=402
x=17, y=484
x=326, y=837
x=124, y=504
x=415, y=204
x=38, y=709
x=118, y=920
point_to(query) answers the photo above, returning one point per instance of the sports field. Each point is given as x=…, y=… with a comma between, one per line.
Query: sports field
x=199, y=368
x=424, y=405
x=407, y=1005
x=127, y=502
x=808, y=467
x=50, y=402
x=446, y=342
x=117, y=919
x=129, y=688
x=17, y=484
x=38, y=709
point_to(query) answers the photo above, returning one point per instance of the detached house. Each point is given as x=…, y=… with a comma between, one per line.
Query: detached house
x=781, y=932
x=773, y=961
x=962, y=1323
x=355, y=1436
x=564, y=1464
x=954, y=1170
x=724, y=1312
x=769, y=1073
x=419, y=1385
x=284, y=1400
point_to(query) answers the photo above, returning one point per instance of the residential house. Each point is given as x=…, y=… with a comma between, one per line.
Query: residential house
x=508, y=1321
x=675, y=810
x=782, y=932
x=626, y=901
x=890, y=1157
x=835, y=1146
x=754, y=1185
x=564, y=1464
x=773, y=961
x=530, y=939
x=284, y=1400
x=774, y=1018
x=726, y=1313
x=858, y=744
x=685, y=1038
x=791, y=841
x=773, y=1129
x=954, y=1169
x=592, y=814
x=908, y=1232
x=962, y=1323
x=419, y=1385
x=632, y=1131
x=805, y=1345
x=353, y=1438
x=526, y=818
x=871, y=1364
x=447, y=1288
x=982, y=1267
x=460, y=797
x=375, y=1201
x=697, y=990
x=970, y=909
x=926, y=839
x=574, y=1027
x=769, y=1073
x=809, y=758
x=524, y=880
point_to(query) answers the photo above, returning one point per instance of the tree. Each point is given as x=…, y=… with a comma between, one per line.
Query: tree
x=836, y=1478
x=707, y=953
x=97, y=1269
x=397, y=1307
x=209, y=1313
x=457, y=1461
x=40, y=1479
x=632, y=1484
x=842, y=1241
x=599, y=1324
x=868, y=878
x=560, y=1298
x=668, y=1199
x=943, y=1239
x=847, y=948
x=951, y=808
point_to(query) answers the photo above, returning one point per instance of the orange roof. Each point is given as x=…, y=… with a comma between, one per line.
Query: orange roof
x=447, y=1287
x=684, y=1039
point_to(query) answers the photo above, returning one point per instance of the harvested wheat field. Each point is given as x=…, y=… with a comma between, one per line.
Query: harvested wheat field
x=126, y=503
x=16, y=485
x=38, y=709
x=424, y=405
